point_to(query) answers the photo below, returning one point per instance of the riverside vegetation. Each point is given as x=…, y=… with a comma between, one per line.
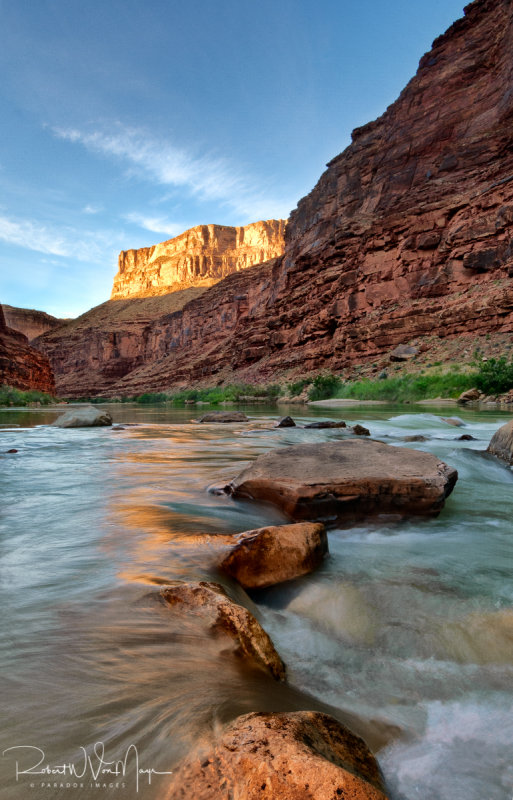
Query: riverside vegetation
x=493, y=376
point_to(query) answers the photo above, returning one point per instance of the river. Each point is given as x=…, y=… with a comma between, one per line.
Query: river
x=408, y=625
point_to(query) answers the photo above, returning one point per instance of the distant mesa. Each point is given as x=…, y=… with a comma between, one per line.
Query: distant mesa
x=30, y=322
x=201, y=256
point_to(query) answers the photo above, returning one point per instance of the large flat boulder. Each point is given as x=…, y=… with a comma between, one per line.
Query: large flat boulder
x=346, y=478
x=275, y=554
x=303, y=755
x=223, y=616
x=86, y=417
x=501, y=444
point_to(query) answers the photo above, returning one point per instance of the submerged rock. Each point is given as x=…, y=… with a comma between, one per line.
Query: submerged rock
x=224, y=416
x=346, y=478
x=275, y=554
x=285, y=422
x=417, y=437
x=87, y=417
x=302, y=755
x=327, y=424
x=454, y=421
x=224, y=616
x=359, y=430
x=501, y=444
x=466, y=437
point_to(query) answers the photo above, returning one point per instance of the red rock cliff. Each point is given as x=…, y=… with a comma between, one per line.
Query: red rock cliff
x=20, y=365
x=30, y=322
x=408, y=233
x=199, y=257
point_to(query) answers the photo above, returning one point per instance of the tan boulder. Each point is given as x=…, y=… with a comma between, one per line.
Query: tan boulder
x=84, y=417
x=347, y=478
x=304, y=755
x=224, y=616
x=275, y=554
x=501, y=444
x=470, y=396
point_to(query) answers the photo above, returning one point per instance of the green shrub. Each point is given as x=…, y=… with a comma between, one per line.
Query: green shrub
x=324, y=386
x=495, y=376
x=296, y=387
x=9, y=396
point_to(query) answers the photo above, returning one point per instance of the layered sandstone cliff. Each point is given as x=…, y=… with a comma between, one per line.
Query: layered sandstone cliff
x=201, y=256
x=20, y=365
x=408, y=234
x=30, y=322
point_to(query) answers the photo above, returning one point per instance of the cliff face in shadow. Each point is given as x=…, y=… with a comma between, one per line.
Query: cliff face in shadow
x=20, y=365
x=407, y=234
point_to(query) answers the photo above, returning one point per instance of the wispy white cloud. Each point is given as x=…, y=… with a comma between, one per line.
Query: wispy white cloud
x=92, y=246
x=208, y=177
x=92, y=209
x=155, y=224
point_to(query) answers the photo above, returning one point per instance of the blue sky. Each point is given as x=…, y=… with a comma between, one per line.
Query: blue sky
x=125, y=122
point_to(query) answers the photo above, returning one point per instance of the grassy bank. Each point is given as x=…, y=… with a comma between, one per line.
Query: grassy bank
x=408, y=387
x=15, y=397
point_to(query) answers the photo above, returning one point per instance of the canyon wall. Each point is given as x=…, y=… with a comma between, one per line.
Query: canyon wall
x=20, y=365
x=30, y=322
x=407, y=235
x=199, y=257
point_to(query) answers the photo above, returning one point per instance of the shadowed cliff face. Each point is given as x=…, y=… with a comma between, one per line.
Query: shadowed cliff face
x=201, y=256
x=20, y=365
x=408, y=233
x=30, y=322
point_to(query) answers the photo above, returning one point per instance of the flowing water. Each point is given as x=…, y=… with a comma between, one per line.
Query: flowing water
x=406, y=631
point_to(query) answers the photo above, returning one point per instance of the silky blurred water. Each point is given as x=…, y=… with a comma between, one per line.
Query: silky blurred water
x=406, y=630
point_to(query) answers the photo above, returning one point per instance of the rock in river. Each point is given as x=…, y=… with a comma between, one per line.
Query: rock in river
x=278, y=553
x=86, y=417
x=303, y=755
x=327, y=424
x=224, y=416
x=502, y=443
x=346, y=478
x=224, y=616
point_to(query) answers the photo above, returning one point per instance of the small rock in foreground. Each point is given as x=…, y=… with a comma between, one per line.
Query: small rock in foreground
x=466, y=437
x=298, y=755
x=275, y=554
x=12, y=450
x=501, y=444
x=224, y=416
x=352, y=477
x=417, y=437
x=87, y=417
x=223, y=615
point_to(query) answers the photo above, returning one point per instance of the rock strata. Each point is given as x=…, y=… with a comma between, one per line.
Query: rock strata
x=21, y=366
x=199, y=257
x=304, y=755
x=223, y=616
x=346, y=478
x=275, y=554
x=501, y=444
